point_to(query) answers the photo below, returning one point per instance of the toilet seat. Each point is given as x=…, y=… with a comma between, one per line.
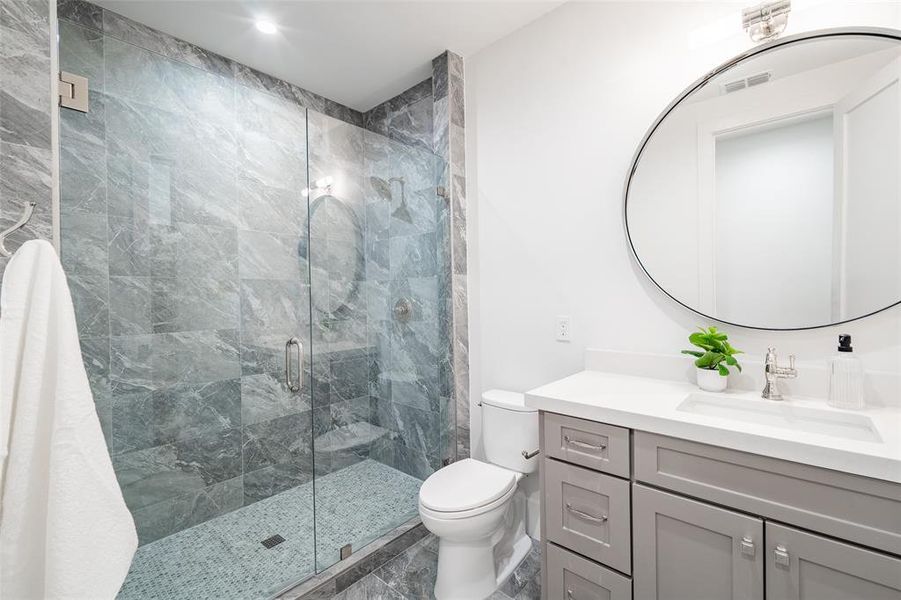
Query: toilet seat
x=465, y=488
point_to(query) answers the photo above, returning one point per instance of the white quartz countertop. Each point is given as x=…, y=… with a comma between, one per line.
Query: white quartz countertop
x=656, y=406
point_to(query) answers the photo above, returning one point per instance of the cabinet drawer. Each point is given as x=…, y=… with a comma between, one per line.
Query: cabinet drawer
x=588, y=512
x=803, y=565
x=593, y=445
x=859, y=509
x=572, y=577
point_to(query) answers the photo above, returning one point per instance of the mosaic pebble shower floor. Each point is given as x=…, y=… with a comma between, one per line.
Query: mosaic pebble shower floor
x=224, y=558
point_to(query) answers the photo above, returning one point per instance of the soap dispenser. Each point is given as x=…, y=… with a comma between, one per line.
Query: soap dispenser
x=845, y=377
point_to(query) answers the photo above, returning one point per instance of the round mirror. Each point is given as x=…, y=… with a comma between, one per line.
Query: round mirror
x=767, y=194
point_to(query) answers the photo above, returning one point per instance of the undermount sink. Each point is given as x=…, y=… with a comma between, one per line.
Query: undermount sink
x=783, y=415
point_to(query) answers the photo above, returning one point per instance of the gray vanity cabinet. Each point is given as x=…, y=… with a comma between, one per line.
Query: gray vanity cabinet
x=632, y=514
x=685, y=549
x=804, y=566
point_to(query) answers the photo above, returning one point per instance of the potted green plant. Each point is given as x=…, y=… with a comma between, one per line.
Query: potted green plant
x=713, y=359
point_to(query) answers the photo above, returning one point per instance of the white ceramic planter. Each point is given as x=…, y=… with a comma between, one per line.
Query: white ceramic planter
x=711, y=381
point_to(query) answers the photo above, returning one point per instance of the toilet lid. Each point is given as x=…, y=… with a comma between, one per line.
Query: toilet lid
x=465, y=485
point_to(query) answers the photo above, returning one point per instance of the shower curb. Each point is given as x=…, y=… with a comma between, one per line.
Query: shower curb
x=345, y=573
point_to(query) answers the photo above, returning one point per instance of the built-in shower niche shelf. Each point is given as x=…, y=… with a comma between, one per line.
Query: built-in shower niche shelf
x=347, y=437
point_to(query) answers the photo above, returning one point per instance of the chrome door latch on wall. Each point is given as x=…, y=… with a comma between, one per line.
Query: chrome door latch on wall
x=73, y=91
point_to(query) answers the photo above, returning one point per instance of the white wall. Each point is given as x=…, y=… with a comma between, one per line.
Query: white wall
x=554, y=114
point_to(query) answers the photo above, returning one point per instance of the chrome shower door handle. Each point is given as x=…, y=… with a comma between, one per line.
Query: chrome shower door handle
x=291, y=384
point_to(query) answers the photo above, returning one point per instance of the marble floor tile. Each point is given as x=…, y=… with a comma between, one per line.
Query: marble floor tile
x=411, y=576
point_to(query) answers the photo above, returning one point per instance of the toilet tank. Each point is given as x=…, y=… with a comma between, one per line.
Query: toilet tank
x=508, y=428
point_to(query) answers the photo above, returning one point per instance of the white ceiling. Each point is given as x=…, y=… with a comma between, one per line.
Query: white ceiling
x=357, y=53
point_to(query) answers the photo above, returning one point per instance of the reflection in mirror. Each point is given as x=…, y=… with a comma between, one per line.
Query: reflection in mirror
x=769, y=196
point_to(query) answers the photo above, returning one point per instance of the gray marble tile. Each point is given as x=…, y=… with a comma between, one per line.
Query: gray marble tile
x=130, y=306
x=440, y=76
x=161, y=473
x=189, y=411
x=81, y=49
x=87, y=128
x=395, y=453
x=133, y=421
x=164, y=518
x=95, y=353
x=265, y=397
x=413, y=256
x=82, y=178
x=342, y=435
x=90, y=296
x=24, y=64
x=83, y=244
x=349, y=379
x=184, y=250
x=279, y=441
x=195, y=357
x=369, y=588
x=277, y=119
x=24, y=177
x=194, y=303
x=270, y=256
x=268, y=303
x=83, y=13
x=411, y=574
x=129, y=249
x=269, y=481
x=457, y=112
x=142, y=77
x=416, y=429
x=147, y=419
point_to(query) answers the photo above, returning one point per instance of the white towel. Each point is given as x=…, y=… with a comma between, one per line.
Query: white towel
x=65, y=531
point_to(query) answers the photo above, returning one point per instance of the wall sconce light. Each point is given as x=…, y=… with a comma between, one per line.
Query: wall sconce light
x=320, y=184
x=767, y=20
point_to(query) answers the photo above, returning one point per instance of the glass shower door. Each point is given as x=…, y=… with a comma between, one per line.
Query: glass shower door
x=182, y=217
x=376, y=303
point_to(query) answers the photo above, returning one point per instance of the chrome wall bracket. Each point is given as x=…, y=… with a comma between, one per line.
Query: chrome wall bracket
x=766, y=20
x=73, y=91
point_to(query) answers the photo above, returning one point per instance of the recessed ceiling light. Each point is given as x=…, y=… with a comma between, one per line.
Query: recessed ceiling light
x=265, y=26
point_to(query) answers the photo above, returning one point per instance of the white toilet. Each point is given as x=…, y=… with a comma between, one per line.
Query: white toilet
x=475, y=508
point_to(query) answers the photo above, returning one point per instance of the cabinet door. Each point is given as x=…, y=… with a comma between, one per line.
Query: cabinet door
x=687, y=550
x=804, y=566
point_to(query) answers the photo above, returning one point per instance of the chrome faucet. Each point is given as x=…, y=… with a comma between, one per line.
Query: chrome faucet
x=774, y=372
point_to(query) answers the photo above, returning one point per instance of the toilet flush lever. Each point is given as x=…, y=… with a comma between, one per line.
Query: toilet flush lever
x=528, y=455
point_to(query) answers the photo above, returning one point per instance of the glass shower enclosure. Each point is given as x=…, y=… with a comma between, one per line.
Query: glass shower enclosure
x=258, y=297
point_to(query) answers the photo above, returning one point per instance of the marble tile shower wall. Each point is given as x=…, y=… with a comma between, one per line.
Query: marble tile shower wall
x=182, y=238
x=179, y=232
x=25, y=109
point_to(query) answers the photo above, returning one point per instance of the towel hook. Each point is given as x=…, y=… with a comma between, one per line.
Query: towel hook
x=29, y=209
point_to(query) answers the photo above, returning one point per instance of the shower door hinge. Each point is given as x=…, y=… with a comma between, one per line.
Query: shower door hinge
x=73, y=91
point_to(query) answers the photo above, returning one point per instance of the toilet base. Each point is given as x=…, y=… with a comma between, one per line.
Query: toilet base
x=465, y=570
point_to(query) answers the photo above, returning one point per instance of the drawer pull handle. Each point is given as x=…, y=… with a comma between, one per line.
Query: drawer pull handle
x=782, y=557
x=576, y=443
x=747, y=546
x=585, y=515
